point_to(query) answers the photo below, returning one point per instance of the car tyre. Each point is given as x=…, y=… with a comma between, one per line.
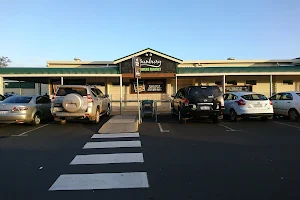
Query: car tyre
x=97, y=117
x=233, y=116
x=293, y=114
x=36, y=119
x=180, y=119
x=108, y=111
x=62, y=121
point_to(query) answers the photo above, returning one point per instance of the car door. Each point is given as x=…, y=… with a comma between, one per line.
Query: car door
x=97, y=99
x=285, y=103
x=104, y=100
x=43, y=104
x=276, y=103
x=227, y=102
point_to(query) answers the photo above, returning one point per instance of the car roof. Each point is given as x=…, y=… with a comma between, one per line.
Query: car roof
x=241, y=93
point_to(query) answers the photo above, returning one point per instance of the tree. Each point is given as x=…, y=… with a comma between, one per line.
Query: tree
x=4, y=61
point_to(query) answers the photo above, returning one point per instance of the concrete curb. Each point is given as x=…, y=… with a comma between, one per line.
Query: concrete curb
x=120, y=124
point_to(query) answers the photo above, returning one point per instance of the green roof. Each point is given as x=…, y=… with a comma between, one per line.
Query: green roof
x=29, y=70
x=267, y=69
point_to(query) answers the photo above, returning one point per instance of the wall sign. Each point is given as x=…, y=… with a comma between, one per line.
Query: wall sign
x=150, y=64
x=149, y=86
x=238, y=88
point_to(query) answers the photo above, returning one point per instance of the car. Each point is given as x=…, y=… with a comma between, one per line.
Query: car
x=25, y=109
x=193, y=102
x=79, y=102
x=287, y=104
x=239, y=105
x=6, y=95
x=2, y=97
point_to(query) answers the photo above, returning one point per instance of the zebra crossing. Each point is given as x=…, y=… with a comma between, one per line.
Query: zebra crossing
x=100, y=180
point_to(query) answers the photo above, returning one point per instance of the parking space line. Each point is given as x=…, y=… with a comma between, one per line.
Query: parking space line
x=112, y=144
x=161, y=129
x=108, y=158
x=23, y=134
x=101, y=181
x=115, y=135
x=287, y=125
x=228, y=128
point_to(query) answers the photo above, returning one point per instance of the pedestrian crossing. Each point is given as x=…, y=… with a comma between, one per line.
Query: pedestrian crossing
x=100, y=180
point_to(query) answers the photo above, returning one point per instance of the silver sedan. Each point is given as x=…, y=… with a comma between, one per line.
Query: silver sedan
x=25, y=109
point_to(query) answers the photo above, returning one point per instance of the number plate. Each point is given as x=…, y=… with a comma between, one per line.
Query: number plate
x=147, y=105
x=258, y=105
x=205, y=108
x=3, y=112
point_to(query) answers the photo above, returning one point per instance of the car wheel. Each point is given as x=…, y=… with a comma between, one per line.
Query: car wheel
x=36, y=119
x=293, y=114
x=97, y=117
x=233, y=116
x=62, y=121
x=108, y=111
x=180, y=119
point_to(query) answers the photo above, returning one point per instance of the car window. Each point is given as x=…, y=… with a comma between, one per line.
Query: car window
x=286, y=96
x=2, y=98
x=254, y=97
x=225, y=96
x=100, y=92
x=230, y=97
x=63, y=91
x=18, y=99
x=204, y=91
x=42, y=100
x=276, y=96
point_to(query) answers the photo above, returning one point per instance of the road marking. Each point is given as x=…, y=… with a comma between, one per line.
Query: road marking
x=108, y=158
x=162, y=130
x=228, y=128
x=112, y=144
x=100, y=181
x=23, y=134
x=115, y=135
x=287, y=125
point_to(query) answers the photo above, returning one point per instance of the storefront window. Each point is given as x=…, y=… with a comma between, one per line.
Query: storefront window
x=149, y=86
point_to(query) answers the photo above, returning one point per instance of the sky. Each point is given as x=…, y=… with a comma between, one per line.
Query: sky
x=33, y=32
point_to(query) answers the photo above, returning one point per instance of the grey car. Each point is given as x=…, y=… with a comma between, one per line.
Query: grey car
x=79, y=102
x=25, y=109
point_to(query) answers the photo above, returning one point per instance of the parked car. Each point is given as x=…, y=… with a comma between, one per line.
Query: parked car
x=2, y=97
x=25, y=109
x=240, y=105
x=197, y=102
x=79, y=102
x=287, y=104
x=6, y=95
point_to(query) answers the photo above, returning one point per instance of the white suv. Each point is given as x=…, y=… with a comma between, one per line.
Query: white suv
x=287, y=104
x=240, y=105
x=79, y=102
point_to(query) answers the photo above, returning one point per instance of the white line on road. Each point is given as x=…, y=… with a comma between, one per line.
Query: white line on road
x=228, y=128
x=162, y=130
x=287, y=125
x=112, y=144
x=115, y=135
x=23, y=134
x=108, y=158
x=100, y=181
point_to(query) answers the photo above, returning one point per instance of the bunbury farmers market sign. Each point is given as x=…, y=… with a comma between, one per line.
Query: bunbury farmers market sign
x=150, y=65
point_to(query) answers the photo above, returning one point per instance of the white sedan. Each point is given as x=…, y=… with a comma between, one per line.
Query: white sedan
x=287, y=104
x=240, y=105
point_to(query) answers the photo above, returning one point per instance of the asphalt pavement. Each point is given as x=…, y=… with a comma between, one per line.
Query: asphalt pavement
x=167, y=160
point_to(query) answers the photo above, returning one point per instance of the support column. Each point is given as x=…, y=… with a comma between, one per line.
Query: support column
x=176, y=84
x=1, y=85
x=224, y=84
x=20, y=88
x=61, y=80
x=271, y=85
x=121, y=93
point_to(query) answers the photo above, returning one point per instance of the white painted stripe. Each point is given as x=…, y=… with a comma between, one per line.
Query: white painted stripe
x=108, y=158
x=101, y=181
x=23, y=134
x=287, y=125
x=112, y=144
x=161, y=129
x=116, y=135
x=228, y=128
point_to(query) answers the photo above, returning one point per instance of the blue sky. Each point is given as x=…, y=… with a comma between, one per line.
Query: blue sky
x=35, y=31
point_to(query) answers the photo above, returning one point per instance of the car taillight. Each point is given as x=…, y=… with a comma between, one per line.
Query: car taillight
x=241, y=102
x=271, y=103
x=186, y=102
x=53, y=98
x=21, y=108
x=89, y=98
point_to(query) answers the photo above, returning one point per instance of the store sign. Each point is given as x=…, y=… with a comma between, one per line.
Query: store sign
x=137, y=66
x=238, y=88
x=150, y=64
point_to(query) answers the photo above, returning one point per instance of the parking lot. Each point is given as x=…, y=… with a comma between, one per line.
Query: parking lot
x=198, y=160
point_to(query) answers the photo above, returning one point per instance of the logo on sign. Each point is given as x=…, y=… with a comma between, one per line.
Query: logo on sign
x=150, y=63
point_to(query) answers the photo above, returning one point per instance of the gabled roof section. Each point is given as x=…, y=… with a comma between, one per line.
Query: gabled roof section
x=146, y=51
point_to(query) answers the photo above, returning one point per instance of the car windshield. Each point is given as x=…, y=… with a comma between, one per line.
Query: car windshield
x=254, y=97
x=18, y=99
x=71, y=90
x=204, y=90
x=298, y=94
